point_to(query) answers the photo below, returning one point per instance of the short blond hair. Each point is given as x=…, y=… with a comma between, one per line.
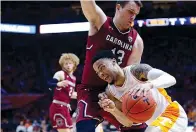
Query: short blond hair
x=69, y=56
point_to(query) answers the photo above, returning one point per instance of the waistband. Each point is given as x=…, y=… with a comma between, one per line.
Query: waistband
x=62, y=103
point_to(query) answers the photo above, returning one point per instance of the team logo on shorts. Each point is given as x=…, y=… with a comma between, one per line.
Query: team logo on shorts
x=130, y=39
x=59, y=122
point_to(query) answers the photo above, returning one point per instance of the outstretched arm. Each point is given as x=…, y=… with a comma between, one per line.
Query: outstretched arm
x=93, y=13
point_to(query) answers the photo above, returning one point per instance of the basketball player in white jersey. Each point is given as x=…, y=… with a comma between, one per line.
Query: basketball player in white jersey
x=138, y=79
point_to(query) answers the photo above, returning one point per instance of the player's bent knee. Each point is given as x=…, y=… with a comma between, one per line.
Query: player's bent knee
x=153, y=129
x=64, y=130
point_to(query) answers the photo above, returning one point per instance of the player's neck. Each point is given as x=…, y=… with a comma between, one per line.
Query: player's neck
x=120, y=79
x=68, y=72
x=118, y=25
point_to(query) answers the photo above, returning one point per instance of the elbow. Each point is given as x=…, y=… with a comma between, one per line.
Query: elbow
x=174, y=80
x=128, y=123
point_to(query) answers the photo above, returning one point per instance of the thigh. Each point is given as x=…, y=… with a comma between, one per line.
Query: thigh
x=87, y=105
x=64, y=130
x=86, y=125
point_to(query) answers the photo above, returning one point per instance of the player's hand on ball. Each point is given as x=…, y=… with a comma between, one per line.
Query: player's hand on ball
x=107, y=104
x=102, y=96
x=63, y=83
x=141, y=89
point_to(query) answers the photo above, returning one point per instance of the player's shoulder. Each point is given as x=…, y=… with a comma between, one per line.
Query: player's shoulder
x=140, y=71
x=136, y=66
x=140, y=66
x=133, y=31
x=60, y=72
x=59, y=75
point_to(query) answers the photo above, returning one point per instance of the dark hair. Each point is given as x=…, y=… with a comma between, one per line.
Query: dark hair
x=103, y=54
x=124, y=2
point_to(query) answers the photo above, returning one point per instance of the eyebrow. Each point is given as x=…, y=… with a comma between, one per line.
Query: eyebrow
x=132, y=10
x=99, y=66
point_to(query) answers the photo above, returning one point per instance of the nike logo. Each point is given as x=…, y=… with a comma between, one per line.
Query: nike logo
x=88, y=48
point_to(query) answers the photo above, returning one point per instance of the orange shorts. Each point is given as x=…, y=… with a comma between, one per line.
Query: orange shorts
x=173, y=119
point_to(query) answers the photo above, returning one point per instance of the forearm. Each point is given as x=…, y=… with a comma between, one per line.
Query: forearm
x=52, y=83
x=89, y=9
x=120, y=116
x=160, y=79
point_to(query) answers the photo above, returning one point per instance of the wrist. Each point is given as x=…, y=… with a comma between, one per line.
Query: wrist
x=114, y=110
x=58, y=84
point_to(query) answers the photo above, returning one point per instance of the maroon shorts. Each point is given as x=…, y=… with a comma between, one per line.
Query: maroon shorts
x=60, y=116
x=88, y=108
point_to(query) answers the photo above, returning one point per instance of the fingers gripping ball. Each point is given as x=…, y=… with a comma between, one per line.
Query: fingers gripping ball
x=139, y=109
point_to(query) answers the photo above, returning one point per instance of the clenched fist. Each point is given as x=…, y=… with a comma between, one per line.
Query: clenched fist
x=107, y=104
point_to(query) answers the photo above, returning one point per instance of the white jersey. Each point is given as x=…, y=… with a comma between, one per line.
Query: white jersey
x=160, y=95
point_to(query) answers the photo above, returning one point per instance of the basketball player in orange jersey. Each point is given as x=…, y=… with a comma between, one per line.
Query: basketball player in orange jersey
x=64, y=82
x=107, y=33
x=138, y=79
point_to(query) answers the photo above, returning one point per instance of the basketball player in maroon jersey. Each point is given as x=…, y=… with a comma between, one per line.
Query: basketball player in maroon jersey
x=106, y=33
x=64, y=81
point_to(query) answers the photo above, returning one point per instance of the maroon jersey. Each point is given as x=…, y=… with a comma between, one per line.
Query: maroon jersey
x=107, y=38
x=64, y=93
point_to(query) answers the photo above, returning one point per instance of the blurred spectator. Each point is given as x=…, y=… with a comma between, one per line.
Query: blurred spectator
x=194, y=127
x=21, y=127
x=29, y=126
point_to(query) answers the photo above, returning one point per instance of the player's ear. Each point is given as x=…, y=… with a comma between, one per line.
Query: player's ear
x=113, y=61
x=118, y=6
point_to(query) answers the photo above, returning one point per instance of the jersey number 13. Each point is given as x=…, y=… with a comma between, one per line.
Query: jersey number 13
x=120, y=55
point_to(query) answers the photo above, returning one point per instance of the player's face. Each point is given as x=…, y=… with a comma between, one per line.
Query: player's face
x=128, y=13
x=68, y=66
x=105, y=69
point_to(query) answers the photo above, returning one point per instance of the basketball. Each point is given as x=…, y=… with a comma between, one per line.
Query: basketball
x=139, y=109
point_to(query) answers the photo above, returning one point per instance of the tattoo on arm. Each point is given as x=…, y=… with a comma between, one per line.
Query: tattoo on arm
x=140, y=71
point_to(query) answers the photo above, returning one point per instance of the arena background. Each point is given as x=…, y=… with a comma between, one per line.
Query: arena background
x=30, y=53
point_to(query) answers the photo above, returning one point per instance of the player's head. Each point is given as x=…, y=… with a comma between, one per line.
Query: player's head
x=126, y=11
x=104, y=64
x=69, y=62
